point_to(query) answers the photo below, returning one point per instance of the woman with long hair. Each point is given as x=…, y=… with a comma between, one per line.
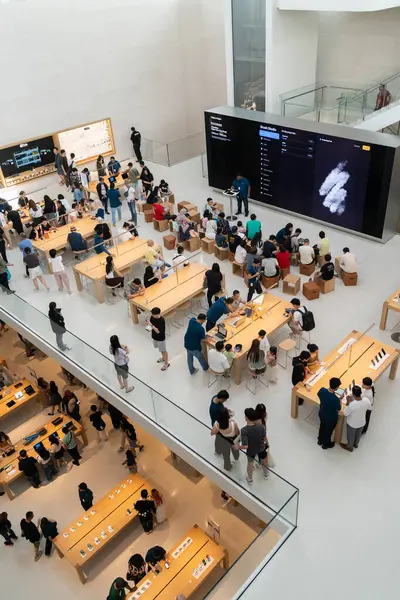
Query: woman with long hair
x=226, y=431
x=100, y=166
x=50, y=531
x=121, y=359
x=71, y=405
x=45, y=459
x=54, y=397
x=160, y=506
x=149, y=278
x=57, y=451
x=256, y=359
x=113, y=276
x=49, y=210
x=213, y=282
x=35, y=212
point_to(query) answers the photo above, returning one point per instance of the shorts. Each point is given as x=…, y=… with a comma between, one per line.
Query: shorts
x=36, y=544
x=158, y=263
x=122, y=371
x=35, y=272
x=162, y=346
x=261, y=455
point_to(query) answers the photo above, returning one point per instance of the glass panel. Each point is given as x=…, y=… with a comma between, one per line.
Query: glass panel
x=248, y=25
x=186, y=148
x=155, y=152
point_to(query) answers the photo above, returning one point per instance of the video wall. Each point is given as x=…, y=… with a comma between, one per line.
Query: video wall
x=26, y=156
x=338, y=180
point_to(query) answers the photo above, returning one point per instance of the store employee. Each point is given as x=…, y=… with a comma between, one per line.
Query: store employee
x=113, y=166
x=242, y=186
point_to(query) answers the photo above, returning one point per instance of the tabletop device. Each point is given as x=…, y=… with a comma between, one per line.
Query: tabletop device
x=125, y=175
x=57, y=421
x=237, y=321
x=222, y=331
x=383, y=351
x=10, y=404
x=247, y=312
x=18, y=395
x=29, y=390
x=17, y=385
x=10, y=452
x=70, y=426
x=112, y=179
x=38, y=446
x=42, y=431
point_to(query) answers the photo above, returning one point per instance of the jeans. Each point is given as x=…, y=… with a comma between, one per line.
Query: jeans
x=326, y=429
x=132, y=208
x=60, y=341
x=104, y=202
x=191, y=354
x=245, y=201
x=49, y=470
x=48, y=547
x=254, y=287
x=114, y=211
x=74, y=454
x=34, y=479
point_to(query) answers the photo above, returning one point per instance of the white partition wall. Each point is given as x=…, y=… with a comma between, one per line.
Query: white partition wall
x=337, y=5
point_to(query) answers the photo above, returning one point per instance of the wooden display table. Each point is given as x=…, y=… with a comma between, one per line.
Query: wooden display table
x=125, y=255
x=8, y=396
x=92, y=530
x=348, y=367
x=59, y=239
x=119, y=181
x=169, y=293
x=392, y=303
x=186, y=571
x=10, y=463
x=271, y=319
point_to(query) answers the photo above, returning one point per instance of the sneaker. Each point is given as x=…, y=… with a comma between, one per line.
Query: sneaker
x=165, y=366
x=122, y=386
x=265, y=475
x=239, y=212
x=319, y=443
x=129, y=389
x=160, y=360
x=249, y=481
x=38, y=555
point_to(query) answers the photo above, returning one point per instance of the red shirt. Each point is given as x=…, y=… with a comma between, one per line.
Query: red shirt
x=283, y=259
x=158, y=211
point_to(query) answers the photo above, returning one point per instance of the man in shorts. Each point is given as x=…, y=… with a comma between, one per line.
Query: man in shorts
x=157, y=324
x=31, y=533
x=254, y=440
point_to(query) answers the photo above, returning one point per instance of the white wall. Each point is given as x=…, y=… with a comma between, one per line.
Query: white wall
x=337, y=5
x=358, y=48
x=155, y=64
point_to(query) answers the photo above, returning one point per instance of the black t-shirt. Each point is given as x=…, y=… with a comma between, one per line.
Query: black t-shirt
x=30, y=531
x=160, y=324
x=214, y=281
x=28, y=466
x=97, y=421
x=327, y=271
x=149, y=281
x=268, y=248
x=299, y=372
x=145, y=507
x=150, y=558
x=49, y=530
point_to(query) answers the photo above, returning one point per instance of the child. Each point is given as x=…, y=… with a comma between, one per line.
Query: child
x=74, y=214
x=98, y=423
x=241, y=229
x=160, y=506
x=272, y=362
x=230, y=355
x=85, y=496
x=130, y=461
x=264, y=343
x=78, y=194
x=136, y=288
x=59, y=272
x=368, y=391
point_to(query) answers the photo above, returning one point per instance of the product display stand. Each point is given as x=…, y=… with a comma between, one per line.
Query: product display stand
x=231, y=194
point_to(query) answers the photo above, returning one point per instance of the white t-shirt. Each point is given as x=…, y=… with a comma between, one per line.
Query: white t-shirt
x=179, y=261
x=123, y=235
x=211, y=229
x=35, y=214
x=270, y=265
x=217, y=361
x=240, y=255
x=306, y=255
x=121, y=357
x=298, y=315
x=368, y=394
x=356, y=411
x=57, y=264
x=131, y=194
x=264, y=344
x=348, y=263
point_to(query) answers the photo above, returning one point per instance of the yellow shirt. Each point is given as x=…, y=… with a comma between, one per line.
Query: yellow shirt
x=151, y=255
x=324, y=246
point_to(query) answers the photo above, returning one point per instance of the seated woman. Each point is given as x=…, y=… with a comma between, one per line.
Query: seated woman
x=149, y=278
x=220, y=239
x=62, y=213
x=283, y=257
x=210, y=226
x=241, y=253
x=314, y=354
x=270, y=266
x=152, y=195
x=113, y=276
x=186, y=227
x=158, y=210
x=49, y=209
x=256, y=359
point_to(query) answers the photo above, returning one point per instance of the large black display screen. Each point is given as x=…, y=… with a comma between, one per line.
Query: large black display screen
x=26, y=156
x=333, y=179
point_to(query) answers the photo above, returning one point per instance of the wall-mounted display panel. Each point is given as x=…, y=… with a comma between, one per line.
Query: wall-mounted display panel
x=88, y=141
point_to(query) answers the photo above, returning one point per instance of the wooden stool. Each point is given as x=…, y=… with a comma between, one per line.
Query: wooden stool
x=231, y=256
x=148, y=216
x=207, y=245
x=349, y=278
x=171, y=199
x=326, y=286
x=183, y=205
x=160, y=225
x=221, y=253
x=237, y=269
x=295, y=258
x=286, y=346
x=311, y=290
x=194, y=214
x=338, y=268
x=307, y=269
x=291, y=284
x=285, y=272
x=192, y=244
x=169, y=241
x=269, y=282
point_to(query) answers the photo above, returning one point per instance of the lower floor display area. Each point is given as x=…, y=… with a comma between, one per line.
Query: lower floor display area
x=105, y=504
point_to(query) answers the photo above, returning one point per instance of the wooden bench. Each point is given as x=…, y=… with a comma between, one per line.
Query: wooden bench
x=207, y=245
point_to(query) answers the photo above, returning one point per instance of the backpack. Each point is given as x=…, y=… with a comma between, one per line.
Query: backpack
x=308, y=319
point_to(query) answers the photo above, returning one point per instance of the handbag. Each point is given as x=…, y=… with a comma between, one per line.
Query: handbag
x=8, y=274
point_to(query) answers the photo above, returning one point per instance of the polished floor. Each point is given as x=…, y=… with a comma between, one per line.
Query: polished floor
x=348, y=510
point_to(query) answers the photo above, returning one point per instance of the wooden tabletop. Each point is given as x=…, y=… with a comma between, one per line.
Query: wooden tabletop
x=125, y=254
x=118, y=182
x=109, y=511
x=174, y=290
x=179, y=578
x=271, y=319
x=10, y=463
x=9, y=392
x=59, y=238
x=392, y=303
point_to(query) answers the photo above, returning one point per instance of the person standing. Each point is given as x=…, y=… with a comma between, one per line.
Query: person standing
x=28, y=466
x=85, y=496
x=136, y=139
x=115, y=414
x=50, y=532
x=4, y=276
x=96, y=419
x=102, y=192
x=31, y=533
x=6, y=530
x=131, y=201
x=158, y=500
x=355, y=413
x=194, y=336
x=25, y=243
x=217, y=405
x=252, y=275
x=3, y=244
x=57, y=450
x=146, y=177
x=146, y=510
x=383, y=97
x=31, y=260
x=213, y=281
x=222, y=306
x=58, y=325
x=100, y=166
x=117, y=589
x=58, y=165
x=65, y=167
x=121, y=360
x=157, y=324
x=113, y=166
x=45, y=459
x=60, y=275
x=15, y=218
x=114, y=198
x=368, y=391
x=254, y=440
x=329, y=410
x=242, y=186
x=71, y=445
x=136, y=568
x=225, y=430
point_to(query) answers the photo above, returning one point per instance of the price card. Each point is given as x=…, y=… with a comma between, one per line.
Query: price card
x=79, y=523
x=86, y=517
x=72, y=529
x=103, y=535
x=123, y=485
x=92, y=512
x=111, y=496
x=110, y=529
x=65, y=534
x=96, y=541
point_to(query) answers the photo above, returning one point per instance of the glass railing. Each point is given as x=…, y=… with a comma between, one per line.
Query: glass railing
x=175, y=152
x=360, y=106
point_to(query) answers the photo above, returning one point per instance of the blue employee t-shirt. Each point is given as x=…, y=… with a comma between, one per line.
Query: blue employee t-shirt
x=25, y=244
x=194, y=335
x=253, y=271
x=330, y=405
x=216, y=310
x=242, y=186
x=215, y=410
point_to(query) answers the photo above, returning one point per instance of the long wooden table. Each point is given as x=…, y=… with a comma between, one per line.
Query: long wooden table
x=268, y=316
x=171, y=292
x=392, y=303
x=125, y=255
x=186, y=571
x=119, y=182
x=92, y=531
x=8, y=395
x=9, y=464
x=354, y=364
x=58, y=239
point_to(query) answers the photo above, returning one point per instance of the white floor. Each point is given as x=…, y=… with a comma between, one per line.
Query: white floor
x=348, y=508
